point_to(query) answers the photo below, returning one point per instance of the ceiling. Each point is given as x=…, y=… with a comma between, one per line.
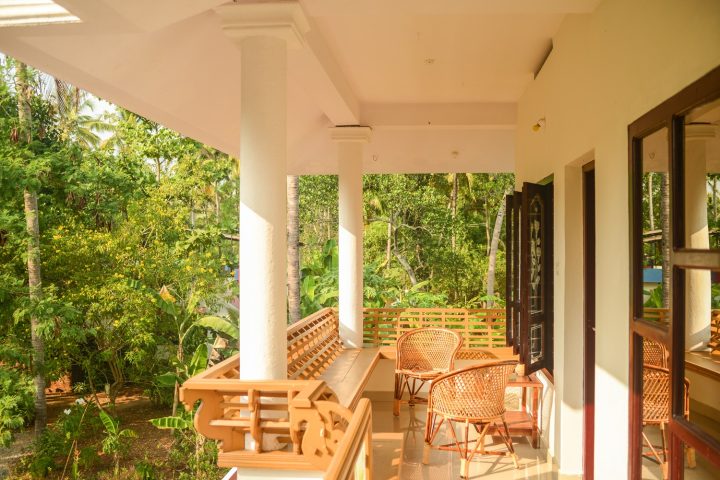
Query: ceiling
x=430, y=77
x=702, y=141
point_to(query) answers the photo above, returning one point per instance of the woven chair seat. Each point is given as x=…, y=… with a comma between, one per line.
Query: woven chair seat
x=425, y=374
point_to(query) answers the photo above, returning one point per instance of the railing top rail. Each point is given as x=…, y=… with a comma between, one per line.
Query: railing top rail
x=343, y=462
x=428, y=309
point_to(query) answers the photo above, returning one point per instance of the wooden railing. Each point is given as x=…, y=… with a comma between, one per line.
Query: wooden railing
x=659, y=315
x=353, y=457
x=279, y=425
x=480, y=328
x=295, y=424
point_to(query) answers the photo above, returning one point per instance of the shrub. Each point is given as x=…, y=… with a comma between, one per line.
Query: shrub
x=16, y=402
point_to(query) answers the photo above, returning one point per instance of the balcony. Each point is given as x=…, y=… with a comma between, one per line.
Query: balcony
x=333, y=417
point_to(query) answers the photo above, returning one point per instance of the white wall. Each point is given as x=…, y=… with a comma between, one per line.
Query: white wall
x=606, y=70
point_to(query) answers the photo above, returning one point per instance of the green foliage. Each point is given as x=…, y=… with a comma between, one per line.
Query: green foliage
x=16, y=402
x=115, y=442
x=220, y=325
x=418, y=249
x=60, y=443
x=654, y=297
x=175, y=423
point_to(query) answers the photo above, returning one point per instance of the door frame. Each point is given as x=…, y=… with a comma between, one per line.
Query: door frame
x=588, y=174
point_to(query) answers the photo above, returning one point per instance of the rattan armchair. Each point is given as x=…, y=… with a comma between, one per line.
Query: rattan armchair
x=656, y=412
x=422, y=355
x=474, y=396
x=654, y=353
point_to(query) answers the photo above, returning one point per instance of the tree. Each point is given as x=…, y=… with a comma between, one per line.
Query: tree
x=293, y=253
x=32, y=213
x=665, y=222
x=493, y=253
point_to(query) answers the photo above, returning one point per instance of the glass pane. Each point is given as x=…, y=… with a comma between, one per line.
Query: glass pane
x=655, y=410
x=536, y=223
x=702, y=355
x=702, y=177
x=656, y=228
x=697, y=467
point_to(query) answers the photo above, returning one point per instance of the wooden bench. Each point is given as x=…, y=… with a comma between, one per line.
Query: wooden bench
x=315, y=351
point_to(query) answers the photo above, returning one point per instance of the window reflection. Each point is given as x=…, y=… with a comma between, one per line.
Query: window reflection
x=656, y=228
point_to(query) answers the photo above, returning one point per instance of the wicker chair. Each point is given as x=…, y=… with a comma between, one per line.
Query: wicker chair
x=474, y=396
x=422, y=355
x=656, y=412
x=654, y=353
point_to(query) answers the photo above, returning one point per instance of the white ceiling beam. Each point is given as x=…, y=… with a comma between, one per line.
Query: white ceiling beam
x=323, y=79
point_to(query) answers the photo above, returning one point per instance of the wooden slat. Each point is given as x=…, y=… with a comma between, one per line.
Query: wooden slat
x=480, y=328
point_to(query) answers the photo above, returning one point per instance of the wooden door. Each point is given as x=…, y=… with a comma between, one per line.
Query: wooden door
x=536, y=277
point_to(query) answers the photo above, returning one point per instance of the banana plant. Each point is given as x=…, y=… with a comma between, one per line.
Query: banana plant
x=115, y=441
x=183, y=312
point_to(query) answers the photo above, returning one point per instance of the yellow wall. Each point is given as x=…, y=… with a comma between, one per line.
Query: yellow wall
x=605, y=71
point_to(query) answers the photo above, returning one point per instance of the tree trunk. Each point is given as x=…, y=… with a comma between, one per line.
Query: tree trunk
x=176, y=391
x=453, y=208
x=293, y=249
x=487, y=228
x=665, y=219
x=651, y=207
x=406, y=266
x=158, y=169
x=493, y=253
x=217, y=203
x=714, y=200
x=388, y=243
x=24, y=94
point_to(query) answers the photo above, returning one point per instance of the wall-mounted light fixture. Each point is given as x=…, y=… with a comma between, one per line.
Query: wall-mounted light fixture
x=539, y=125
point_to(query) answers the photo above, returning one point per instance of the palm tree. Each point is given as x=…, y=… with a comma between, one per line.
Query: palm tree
x=665, y=219
x=293, y=249
x=24, y=97
x=74, y=107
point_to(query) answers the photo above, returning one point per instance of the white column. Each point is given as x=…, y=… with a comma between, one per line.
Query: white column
x=350, y=142
x=263, y=32
x=697, y=303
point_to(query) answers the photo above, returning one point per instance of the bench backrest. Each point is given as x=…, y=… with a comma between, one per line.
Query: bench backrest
x=313, y=343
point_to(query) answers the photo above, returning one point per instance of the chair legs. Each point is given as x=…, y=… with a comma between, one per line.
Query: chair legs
x=462, y=445
x=412, y=385
x=653, y=451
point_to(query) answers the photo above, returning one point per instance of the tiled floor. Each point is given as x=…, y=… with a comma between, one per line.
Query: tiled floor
x=398, y=448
